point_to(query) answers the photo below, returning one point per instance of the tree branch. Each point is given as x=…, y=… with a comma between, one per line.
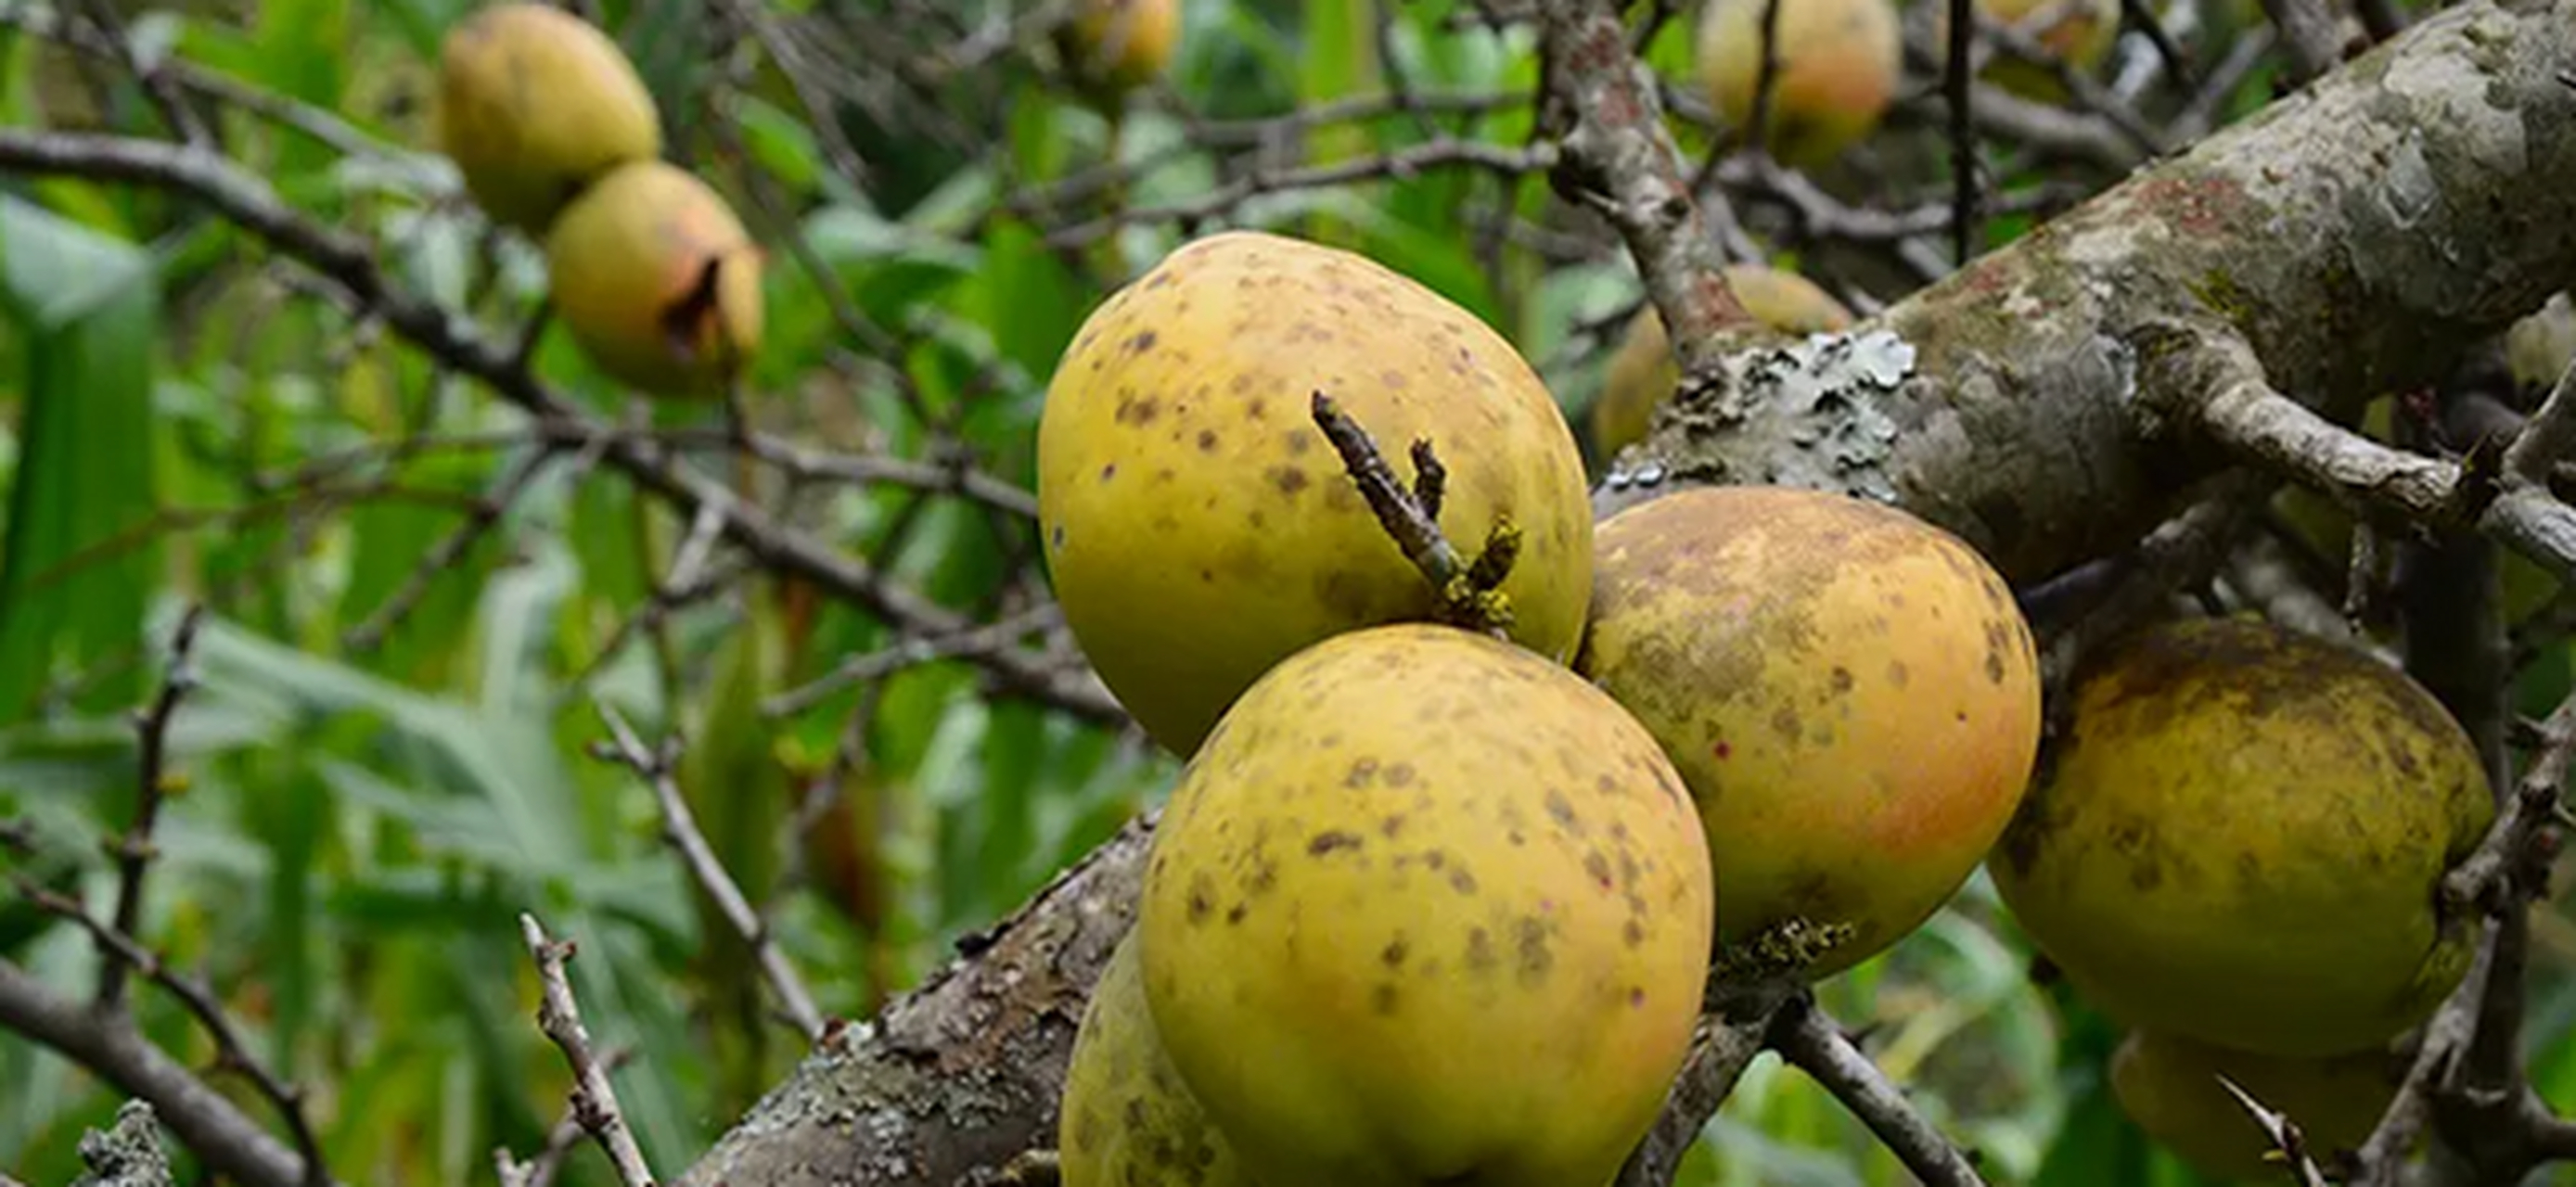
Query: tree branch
x=1810, y=1040
x=349, y=262
x=230, y=1143
x=594, y=1099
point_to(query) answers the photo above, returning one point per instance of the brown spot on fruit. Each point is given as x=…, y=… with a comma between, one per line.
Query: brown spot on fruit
x=2218, y=771
x=1332, y=841
x=1737, y=623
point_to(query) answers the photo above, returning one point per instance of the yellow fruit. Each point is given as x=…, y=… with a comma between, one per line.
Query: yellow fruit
x=657, y=281
x=2241, y=840
x=1838, y=62
x=1427, y=908
x=1642, y=374
x=534, y=104
x=1127, y=1119
x=2169, y=1087
x=1199, y=528
x=1114, y=46
x=1850, y=693
x=2077, y=32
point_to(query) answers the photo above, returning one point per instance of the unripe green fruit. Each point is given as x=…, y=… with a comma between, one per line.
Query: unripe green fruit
x=656, y=280
x=1642, y=373
x=1198, y=526
x=1427, y=908
x=534, y=104
x=1128, y=1120
x=2169, y=1087
x=1851, y=694
x=2241, y=839
x=1838, y=62
x=1115, y=46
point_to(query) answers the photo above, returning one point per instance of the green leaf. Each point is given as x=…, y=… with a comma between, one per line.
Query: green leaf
x=77, y=561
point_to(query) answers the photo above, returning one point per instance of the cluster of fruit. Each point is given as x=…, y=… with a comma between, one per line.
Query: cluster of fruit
x=557, y=137
x=2238, y=852
x=1835, y=63
x=1420, y=885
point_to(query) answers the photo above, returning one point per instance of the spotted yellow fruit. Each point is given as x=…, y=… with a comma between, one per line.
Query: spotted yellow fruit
x=1427, y=908
x=1199, y=528
x=2169, y=1088
x=1838, y=63
x=1850, y=693
x=1642, y=373
x=1127, y=1119
x=2241, y=839
x=657, y=281
x=533, y=104
x=1115, y=46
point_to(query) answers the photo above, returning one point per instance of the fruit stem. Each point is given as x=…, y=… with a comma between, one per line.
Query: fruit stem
x=1469, y=595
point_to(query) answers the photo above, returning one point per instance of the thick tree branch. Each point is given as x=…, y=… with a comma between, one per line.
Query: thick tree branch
x=1618, y=161
x=2348, y=238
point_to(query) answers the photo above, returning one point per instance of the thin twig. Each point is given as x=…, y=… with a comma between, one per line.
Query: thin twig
x=133, y=848
x=594, y=1099
x=1806, y=1037
x=680, y=828
x=199, y=998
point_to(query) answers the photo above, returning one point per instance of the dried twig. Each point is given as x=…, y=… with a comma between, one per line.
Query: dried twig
x=594, y=1099
x=540, y=1170
x=680, y=828
x=212, y=1127
x=1810, y=1040
x=119, y=947
x=133, y=848
x=2284, y=1134
x=1469, y=594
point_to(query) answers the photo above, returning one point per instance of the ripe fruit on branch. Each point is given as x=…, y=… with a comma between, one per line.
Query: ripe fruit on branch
x=1837, y=63
x=1642, y=374
x=2169, y=1087
x=1427, y=908
x=1127, y=1117
x=2241, y=840
x=534, y=104
x=657, y=281
x=1199, y=528
x=1851, y=694
x=1114, y=46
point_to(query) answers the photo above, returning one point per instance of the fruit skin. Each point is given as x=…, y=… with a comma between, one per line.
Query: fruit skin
x=1642, y=374
x=2242, y=837
x=1199, y=528
x=1128, y=1120
x=2168, y=1088
x=534, y=104
x=1838, y=62
x=627, y=262
x=1851, y=694
x=2078, y=32
x=1115, y=46
x=1427, y=908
